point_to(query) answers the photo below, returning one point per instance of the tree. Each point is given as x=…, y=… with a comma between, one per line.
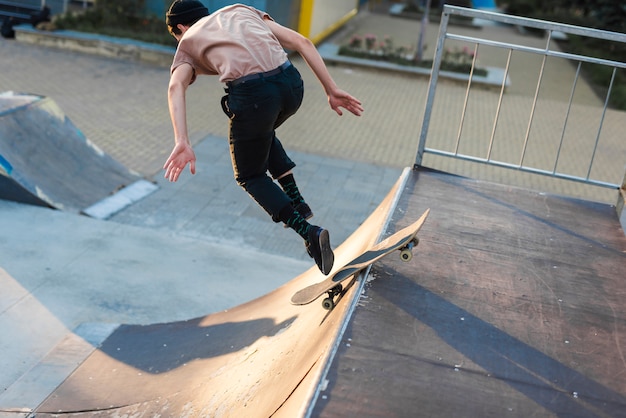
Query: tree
x=611, y=14
x=600, y=14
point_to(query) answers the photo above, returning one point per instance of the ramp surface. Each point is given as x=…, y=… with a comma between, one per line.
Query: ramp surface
x=260, y=359
x=45, y=160
x=513, y=306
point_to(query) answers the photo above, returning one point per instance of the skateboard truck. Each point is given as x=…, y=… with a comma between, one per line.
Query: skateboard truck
x=329, y=302
x=406, y=252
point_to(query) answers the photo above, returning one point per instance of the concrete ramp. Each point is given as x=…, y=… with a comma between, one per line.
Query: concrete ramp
x=260, y=359
x=45, y=160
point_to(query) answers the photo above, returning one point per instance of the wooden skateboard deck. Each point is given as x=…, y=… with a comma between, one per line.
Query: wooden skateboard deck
x=403, y=240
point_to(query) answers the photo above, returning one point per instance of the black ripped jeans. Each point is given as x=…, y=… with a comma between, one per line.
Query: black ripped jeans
x=256, y=108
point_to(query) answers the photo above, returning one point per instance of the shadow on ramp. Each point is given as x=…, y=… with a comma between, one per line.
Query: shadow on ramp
x=260, y=359
x=45, y=160
x=514, y=308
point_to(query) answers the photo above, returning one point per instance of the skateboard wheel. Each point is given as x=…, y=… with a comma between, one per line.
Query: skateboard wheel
x=406, y=255
x=328, y=304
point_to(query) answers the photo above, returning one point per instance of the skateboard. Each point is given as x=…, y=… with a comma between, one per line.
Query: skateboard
x=404, y=241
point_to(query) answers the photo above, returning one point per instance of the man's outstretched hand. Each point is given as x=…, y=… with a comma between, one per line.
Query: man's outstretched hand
x=180, y=156
x=339, y=98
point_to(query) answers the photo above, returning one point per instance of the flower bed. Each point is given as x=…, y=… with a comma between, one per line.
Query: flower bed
x=371, y=48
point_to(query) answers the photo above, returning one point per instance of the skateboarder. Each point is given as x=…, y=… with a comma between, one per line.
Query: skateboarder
x=246, y=49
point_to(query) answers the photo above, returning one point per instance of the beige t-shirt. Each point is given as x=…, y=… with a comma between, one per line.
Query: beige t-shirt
x=231, y=42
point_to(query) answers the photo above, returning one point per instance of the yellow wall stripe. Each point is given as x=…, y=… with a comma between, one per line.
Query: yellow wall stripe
x=306, y=16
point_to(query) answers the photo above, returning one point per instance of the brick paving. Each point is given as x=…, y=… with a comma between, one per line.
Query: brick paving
x=121, y=106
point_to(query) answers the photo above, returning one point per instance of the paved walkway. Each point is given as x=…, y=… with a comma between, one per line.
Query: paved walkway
x=405, y=108
x=346, y=164
x=121, y=106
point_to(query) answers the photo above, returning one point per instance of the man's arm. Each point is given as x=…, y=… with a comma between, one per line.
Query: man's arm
x=182, y=152
x=294, y=41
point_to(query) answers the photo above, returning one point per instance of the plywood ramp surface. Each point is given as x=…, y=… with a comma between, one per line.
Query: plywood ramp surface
x=513, y=306
x=260, y=359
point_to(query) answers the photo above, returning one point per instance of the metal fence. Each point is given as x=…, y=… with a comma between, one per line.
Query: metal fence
x=557, y=135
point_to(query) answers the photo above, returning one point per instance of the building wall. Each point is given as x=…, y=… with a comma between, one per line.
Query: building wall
x=320, y=17
x=312, y=18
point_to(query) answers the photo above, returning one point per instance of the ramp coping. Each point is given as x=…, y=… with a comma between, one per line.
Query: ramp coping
x=327, y=359
x=116, y=202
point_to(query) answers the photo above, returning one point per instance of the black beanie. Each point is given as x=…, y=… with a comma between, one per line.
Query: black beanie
x=185, y=11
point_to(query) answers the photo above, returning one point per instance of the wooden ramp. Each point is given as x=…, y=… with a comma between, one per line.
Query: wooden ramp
x=259, y=359
x=514, y=306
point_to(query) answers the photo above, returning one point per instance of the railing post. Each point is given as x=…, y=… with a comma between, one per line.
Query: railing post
x=621, y=204
x=434, y=75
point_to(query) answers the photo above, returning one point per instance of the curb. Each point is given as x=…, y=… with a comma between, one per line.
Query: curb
x=103, y=45
x=330, y=53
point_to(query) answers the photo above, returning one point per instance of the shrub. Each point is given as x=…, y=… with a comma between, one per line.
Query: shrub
x=119, y=18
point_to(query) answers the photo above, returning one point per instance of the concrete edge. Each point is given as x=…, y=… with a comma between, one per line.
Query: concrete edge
x=329, y=355
x=32, y=388
x=103, y=45
x=125, y=197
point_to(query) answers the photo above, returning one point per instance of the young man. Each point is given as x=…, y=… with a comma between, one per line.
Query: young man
x=246, y=49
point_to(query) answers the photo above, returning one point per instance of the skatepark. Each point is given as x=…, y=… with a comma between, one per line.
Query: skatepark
x=178, y=303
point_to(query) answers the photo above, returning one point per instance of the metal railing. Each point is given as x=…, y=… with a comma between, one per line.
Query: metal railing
x=522, y=153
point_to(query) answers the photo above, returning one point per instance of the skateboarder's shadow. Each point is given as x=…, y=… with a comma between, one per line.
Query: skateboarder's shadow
x=509, y=359
x=161, y=348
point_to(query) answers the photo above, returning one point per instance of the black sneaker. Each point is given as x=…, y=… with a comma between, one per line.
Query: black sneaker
x=304, y=210
x=318, y=247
